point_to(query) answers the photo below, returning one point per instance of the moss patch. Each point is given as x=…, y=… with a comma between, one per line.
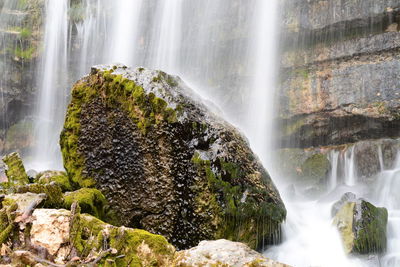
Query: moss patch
x=370, y=235
x=60, y=178
x=145, y=109
x=15, y=170
x=138, y=247
x=237, y=213
x=90, y=200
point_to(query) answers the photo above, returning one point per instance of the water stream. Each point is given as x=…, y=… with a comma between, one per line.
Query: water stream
x=311, y=239
x=52, y=84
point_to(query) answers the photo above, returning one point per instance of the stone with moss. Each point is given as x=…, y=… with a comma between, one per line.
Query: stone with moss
x=15, y=170
x=59, y=177
x=90, y=200
x=92, y=238
x=165, y=163
x=52, y=191
x=362, y=226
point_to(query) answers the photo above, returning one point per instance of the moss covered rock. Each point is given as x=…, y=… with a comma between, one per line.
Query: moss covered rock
x=90, y=200
x=59, y=177
x=164, y=162
x=362, y=226
x=15, y=170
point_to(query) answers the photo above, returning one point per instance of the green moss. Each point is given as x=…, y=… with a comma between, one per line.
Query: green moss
x=15, y=170
x=140, y=248
x=235, y=213
x=316, y=167
x=7, y=217
x=90, y=200
x=145, y=109
x=25, y=53
x=60, y=178
x=370, y=235
x=54, y=196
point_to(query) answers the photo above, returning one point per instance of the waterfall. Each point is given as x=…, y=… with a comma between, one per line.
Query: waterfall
x=226, y=53
x=260, y=105
x=309, y=223
x=124, y=33
x=52, y=85
x=167, y=36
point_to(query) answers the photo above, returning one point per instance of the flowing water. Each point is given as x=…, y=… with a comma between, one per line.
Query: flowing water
x=311, y=239
x=52, y=84
x=226, y=50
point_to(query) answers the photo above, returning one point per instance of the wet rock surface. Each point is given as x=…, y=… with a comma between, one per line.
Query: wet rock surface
x=362, y=225
x=339, y=81
x=164, y=162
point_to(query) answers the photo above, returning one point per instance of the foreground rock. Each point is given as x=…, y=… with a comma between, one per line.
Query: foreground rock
x=361, y=225
x=164, y=162
x=222, y=253
x=49, y=236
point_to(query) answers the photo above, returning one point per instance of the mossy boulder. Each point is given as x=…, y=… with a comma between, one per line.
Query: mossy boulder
x=59, y=177
x=362, y=226
x=15, y=170
x=90, y=200
x=165, y=163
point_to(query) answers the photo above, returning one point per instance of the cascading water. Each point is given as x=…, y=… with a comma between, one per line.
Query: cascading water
x=310, y=237
x=167, y=38
x=52, y=83
x=125, y=29
x=228, y=54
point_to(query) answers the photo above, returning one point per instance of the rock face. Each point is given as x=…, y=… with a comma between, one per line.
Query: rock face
x=164, y=162
x=21, y=34
x=340, y=76
x=361, y=225
x=222, y=253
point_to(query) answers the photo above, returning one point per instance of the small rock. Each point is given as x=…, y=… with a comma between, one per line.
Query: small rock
x=361, y=225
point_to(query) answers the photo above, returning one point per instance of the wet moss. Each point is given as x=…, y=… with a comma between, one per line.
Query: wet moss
x=7, y=217
x=15, y=170
x=370, y=232
x=237, y=213
x=316, y=167
x=138, y=247
x=90, y=200
x=53, y=192
x=145, y=109
x=60, y=178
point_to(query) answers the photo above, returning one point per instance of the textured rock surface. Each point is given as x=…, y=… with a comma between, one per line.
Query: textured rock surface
x=313, y=166
x=58, y=230
x=339, y=73
x=361, y=225
x=15, y=170
x=20, y=35
x=222, y=253
x=164, y=162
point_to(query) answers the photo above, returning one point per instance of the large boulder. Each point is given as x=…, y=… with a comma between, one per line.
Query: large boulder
x=362, y=225
x=166, y=163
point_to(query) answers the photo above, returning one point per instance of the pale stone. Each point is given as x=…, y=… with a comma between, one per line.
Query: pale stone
x=223, y=253
x=50, y=229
